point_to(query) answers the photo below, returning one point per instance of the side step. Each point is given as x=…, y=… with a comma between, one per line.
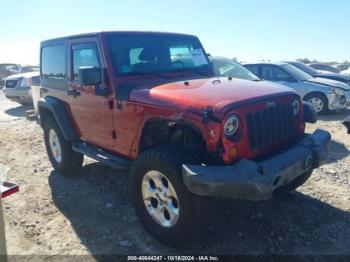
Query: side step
x=102, y=156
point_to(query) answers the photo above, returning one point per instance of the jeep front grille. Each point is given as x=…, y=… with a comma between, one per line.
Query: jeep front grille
x=11, y=83
x=273, y=124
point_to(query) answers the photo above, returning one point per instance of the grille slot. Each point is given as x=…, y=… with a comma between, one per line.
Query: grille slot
x=273, y=124
x=11, y=83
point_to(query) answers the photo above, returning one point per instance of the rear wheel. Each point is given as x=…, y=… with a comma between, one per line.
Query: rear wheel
x=318, y=102
x=166, y=208
x=59, y=150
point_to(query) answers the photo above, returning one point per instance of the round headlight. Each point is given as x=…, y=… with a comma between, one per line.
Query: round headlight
x=231, y=125
x=296, y=107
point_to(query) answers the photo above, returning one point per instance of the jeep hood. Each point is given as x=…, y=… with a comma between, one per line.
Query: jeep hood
x=221, y=94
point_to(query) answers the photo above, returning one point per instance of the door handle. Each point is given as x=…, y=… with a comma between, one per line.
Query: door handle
x=73, y=92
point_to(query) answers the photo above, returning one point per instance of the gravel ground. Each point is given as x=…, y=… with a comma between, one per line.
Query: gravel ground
x=90, y=213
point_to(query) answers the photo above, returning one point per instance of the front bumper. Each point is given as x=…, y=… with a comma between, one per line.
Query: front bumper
x=255, y=181
x=22, y=95
x=336, y=102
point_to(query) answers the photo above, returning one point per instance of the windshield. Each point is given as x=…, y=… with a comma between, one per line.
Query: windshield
x=307, y=69
x=227, y=67
x=27, y=69
x=134, y=54
x=8, y=67
x=296, y=72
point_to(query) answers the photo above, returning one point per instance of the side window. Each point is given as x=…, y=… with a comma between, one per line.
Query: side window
x=274, y=73
x=84, y=55
x=253, y=68
x=53, y=62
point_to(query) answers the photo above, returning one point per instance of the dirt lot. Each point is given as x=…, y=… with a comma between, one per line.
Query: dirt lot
x=90, y=213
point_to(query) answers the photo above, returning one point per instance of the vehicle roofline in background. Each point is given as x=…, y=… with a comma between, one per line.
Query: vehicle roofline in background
x=268, y=63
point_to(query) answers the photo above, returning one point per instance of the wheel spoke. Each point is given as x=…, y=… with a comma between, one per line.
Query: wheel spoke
x=170, y=192
x=173, y=211
x=158, y=214
x=158, y=181
x=147, y=191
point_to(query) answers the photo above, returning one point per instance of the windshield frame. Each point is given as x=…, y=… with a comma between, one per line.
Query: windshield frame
x=204, y=69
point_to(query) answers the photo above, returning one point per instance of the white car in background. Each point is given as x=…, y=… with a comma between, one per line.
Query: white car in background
x=345, y=73
x=17, y=87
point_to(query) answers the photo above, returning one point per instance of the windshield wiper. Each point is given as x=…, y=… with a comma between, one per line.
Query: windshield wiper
x=141, y=73
x=193, y=71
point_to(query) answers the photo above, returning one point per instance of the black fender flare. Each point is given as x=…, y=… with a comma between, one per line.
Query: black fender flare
x=61, y=115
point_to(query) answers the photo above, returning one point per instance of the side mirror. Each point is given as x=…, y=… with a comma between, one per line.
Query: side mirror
x=90, y=76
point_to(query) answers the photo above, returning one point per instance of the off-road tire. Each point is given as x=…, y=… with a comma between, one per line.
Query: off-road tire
x=321, y=97
x=299, y=181
x=168, y=160
x=71, y=161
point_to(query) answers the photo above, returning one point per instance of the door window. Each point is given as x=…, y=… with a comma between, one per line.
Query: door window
x=253, y=68
x=274, y=73
x=53, y=62
x=84, y=55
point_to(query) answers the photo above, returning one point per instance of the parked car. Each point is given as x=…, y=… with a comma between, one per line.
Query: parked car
x=17, y=87
x=309, y=70
x=345, y=73
x=226, y=67
x=27, y=69
x=7, y=70
x=151, y=103
x=343, y=67
x=324, y=68
x=323, y=94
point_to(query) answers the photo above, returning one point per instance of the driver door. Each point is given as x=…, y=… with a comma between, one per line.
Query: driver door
x=92, y=113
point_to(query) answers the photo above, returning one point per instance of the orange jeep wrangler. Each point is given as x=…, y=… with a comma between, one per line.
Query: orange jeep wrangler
x=150, y=103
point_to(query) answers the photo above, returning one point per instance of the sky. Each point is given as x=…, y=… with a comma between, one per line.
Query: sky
x=247, y=29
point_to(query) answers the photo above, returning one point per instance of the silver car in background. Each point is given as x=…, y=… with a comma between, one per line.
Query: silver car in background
x=7, y=70
x=226, y=67
x=323, y=94
x=17, y=87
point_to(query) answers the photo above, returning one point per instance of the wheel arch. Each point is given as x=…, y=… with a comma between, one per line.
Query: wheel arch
x=316, y=93
x=56, y=109
x=157, y=131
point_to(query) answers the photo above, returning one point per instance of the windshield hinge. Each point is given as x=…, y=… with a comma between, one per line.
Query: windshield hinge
x=114, y=134
x=110, y=104
x=119, y=104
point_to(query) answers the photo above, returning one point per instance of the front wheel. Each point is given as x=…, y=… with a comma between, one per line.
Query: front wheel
x=166, y=208
x=318, y=102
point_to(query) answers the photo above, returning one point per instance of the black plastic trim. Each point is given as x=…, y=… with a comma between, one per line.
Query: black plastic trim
x=61, y=115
